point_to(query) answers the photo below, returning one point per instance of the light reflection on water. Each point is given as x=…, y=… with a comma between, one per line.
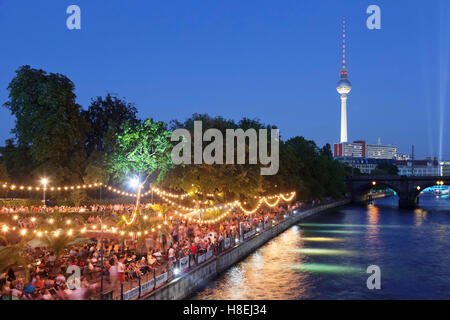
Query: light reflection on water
x=262, y=274
x=412, y=248
x=332, y=231
x=322, y=239
x=324, y=251
x=327, y=268
x=373, y=219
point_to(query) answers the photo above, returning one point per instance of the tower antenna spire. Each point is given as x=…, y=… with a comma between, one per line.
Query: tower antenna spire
x=343, y=42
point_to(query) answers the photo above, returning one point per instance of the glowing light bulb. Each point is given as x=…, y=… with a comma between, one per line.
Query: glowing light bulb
x=134, y=182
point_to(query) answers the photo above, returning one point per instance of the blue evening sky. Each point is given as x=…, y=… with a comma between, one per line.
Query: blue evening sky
x=277, y=60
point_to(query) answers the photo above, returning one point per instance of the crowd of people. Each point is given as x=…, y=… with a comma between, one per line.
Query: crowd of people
x=112, y=208
x=51, y=278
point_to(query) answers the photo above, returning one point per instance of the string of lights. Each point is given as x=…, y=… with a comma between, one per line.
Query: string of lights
x=67, y=188
x=178, y=196
x=217, y=219
x=165, y=196
x=93, y=228
x=168, y=194
x=235, y=204
x=288, y=198
x=71, y=231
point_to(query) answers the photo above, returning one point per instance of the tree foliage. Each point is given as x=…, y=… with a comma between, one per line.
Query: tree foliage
x=49, y=129
x=141, y=151
x=309, y=170
x=105, y=117
x=226, y=181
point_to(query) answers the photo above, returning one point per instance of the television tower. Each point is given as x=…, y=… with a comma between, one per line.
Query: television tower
x=343, y=88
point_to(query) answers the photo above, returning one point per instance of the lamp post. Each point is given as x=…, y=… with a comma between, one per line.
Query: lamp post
x=44, y=182
x=178, y=238
x=101, y=249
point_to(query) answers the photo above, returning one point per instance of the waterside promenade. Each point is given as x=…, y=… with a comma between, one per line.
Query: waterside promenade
x=184, y=278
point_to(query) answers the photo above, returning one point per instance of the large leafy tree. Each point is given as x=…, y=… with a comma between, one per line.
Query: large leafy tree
x=225, y=181
x=310, y=170
x=105, y=117
x=17, y=162
x=49, y=129
x=142, y=151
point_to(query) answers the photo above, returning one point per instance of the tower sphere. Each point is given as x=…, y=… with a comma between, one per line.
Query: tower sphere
x=344, y=86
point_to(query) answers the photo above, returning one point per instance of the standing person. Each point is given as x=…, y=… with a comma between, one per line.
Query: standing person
x=175, y=235
x=121, y=270
x=172, y=258
x=193, y=250
x=113, y=273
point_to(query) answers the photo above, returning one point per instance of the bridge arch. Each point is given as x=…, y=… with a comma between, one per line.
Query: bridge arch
x=362, y=189
x=424, y=186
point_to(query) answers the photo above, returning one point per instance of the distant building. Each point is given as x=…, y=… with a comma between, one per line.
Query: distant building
x=377, y=151
x=363, y=145
x=359, y=149
x=421, y=167
x=403, y=157
x=346, y=149
x=364, y=165
x=445, y=168
x=405, y=167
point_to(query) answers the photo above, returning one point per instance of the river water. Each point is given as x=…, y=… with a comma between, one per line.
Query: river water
x=326, y=256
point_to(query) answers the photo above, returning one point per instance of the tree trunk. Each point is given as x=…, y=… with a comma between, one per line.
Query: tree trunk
x=138, y=199
x=141, y=248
